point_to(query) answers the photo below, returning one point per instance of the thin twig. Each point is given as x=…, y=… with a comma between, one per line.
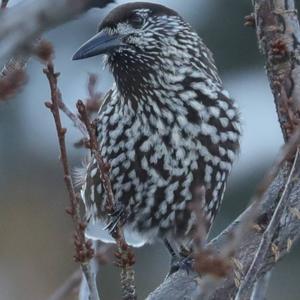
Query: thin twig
x=125, y=255
x=74, y=118
x=93, y=104
x=84, y=251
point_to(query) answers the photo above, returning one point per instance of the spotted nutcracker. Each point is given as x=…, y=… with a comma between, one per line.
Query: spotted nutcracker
x=166, y=128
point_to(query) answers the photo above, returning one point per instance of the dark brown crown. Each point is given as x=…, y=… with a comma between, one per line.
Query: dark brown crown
x=124, y=12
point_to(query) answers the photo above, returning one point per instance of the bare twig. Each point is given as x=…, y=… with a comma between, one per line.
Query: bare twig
x=84, y=251
x=74, y=118
x=92, y=104
x=125, y=254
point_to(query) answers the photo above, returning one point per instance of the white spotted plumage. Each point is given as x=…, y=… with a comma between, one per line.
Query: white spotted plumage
x=166, y=128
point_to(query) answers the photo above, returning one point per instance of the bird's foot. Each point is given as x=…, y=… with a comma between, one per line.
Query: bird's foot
x=181, y=263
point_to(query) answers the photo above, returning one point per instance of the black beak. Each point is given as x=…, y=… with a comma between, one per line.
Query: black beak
x=101, y=43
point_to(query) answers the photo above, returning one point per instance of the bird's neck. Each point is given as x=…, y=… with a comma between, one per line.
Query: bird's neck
x=146, y=79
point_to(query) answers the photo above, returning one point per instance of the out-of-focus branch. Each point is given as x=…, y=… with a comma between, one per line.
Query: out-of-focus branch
x=13, y=75
x=11, y=83
x=4, y=4
x=25, y=22
x=76, y=121
x=18, y=62
x=84, y=250
x=21, y=27
x=278, y=34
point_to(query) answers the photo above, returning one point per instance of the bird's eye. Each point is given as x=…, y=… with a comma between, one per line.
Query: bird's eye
x=136, y=21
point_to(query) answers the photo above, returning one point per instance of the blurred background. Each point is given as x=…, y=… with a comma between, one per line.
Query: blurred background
x=35, y=233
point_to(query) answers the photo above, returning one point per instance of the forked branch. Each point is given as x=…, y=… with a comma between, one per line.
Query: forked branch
x=84, y=250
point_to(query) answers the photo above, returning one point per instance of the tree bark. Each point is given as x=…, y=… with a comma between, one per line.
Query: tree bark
x=278, y=34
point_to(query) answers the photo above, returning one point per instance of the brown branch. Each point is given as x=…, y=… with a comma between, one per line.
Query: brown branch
x=13, y=76
x=23, y=23
x=125, y=255
x=84, y=251
x=278, y=34
x=21, y=27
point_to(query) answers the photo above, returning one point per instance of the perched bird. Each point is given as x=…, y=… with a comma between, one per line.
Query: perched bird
x=166, y=128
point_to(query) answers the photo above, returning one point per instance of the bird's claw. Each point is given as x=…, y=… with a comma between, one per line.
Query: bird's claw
x=181, y=263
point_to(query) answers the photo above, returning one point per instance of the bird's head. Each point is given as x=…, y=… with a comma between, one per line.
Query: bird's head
x=140, y=35
x=137, y=26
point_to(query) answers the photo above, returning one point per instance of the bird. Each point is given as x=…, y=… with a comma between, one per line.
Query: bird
x=166, y=127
